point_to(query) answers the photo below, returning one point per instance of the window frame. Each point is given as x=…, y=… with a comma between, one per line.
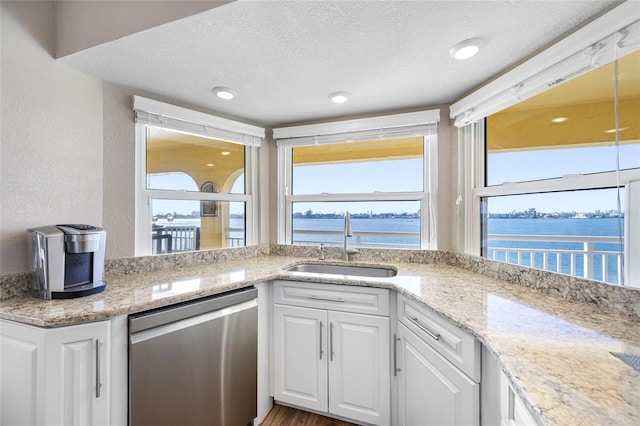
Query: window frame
x=474, y=152
x=144, y=195
x=426, y=197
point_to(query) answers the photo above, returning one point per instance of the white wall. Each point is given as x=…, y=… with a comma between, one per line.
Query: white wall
x=51, y=134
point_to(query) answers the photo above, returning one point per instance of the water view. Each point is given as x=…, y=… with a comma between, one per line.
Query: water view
x=558, y=244
x=562, y=248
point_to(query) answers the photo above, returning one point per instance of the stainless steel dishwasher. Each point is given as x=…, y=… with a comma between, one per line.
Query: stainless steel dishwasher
x=195, y=363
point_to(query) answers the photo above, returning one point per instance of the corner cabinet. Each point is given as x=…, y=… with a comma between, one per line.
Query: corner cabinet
x=512, y=410
x=437, y=366
x=332, y=350
x=55, y=376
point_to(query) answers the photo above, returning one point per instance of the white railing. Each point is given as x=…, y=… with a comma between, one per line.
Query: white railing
x=586, y=261
x=175, y=239
x=334, y=238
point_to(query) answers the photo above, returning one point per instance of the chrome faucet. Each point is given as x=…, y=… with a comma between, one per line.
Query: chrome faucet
x=346, y=251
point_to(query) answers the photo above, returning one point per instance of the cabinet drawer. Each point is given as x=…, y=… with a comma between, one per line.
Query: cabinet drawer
x=455, y=344
x=364, y=300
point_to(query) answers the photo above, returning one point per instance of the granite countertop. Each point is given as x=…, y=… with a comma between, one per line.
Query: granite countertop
x=556, y=353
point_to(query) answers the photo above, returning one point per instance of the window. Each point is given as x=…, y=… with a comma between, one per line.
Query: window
x=383, y=182
x=551, y=178
x=562, y=143
x=554, y=169
x=195, y=182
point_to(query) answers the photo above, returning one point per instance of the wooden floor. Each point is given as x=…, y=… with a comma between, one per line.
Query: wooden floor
x=281, y=415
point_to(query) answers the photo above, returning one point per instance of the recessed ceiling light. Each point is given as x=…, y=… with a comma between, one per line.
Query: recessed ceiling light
x=559, y=120
x=339, y=97
x=224, y=93
x=225, y=153
x=614, y=130
x=466, y=49
x=210, y=164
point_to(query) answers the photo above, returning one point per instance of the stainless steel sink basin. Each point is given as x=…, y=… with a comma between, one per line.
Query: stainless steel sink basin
x=354, y=270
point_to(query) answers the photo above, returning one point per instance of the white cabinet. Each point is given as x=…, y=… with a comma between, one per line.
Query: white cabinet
x=329, y=360
x=300, y=356
x=512, y=410
x=55, y=376
x=431, y=391
x=435, y=365
x=359, y=373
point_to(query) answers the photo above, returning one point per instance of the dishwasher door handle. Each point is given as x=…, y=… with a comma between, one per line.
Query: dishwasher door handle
x=141, y=336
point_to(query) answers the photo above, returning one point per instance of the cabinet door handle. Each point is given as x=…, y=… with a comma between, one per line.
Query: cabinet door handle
x=321, y=351
x=326, y=299
x=423, y=328
x=98, y=374
x=395, y=355
x=331, y=341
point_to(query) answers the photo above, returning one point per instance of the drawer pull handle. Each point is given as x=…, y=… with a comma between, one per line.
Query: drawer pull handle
x=326, y=299
x=423, y=328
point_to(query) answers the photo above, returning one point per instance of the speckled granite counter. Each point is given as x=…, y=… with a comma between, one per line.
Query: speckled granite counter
x=556, y=352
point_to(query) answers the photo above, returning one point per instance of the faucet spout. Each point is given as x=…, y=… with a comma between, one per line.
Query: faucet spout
x=348, y=232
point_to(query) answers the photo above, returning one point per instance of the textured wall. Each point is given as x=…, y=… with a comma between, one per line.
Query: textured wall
x=119, y=172
x=51, y=134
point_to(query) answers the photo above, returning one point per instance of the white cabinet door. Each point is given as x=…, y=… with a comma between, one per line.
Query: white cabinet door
x=53, y=376
x=359, y=367
x=22, y=354
x=512, y=409
x=431, y=391
x=300, y=356
x=77, y=368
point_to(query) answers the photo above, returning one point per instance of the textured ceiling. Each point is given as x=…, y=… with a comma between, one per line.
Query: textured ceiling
x=283, y=58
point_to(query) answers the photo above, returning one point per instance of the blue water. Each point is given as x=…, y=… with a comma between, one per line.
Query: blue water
x=507, y=226
x=359, y=225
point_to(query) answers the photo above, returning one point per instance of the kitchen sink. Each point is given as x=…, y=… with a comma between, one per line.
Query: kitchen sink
x=343, y=269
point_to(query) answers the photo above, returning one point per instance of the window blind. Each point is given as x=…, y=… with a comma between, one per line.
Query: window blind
x=421, y=123
x=154, y=113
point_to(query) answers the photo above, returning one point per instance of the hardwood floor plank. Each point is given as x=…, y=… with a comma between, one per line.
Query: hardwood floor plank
x=286, y=416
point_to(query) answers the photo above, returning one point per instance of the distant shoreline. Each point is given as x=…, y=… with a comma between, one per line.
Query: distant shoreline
x=590, y=215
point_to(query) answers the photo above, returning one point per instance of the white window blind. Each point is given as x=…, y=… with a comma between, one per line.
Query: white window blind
x=611, y=36
x=421, y=123
x=184, y=120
